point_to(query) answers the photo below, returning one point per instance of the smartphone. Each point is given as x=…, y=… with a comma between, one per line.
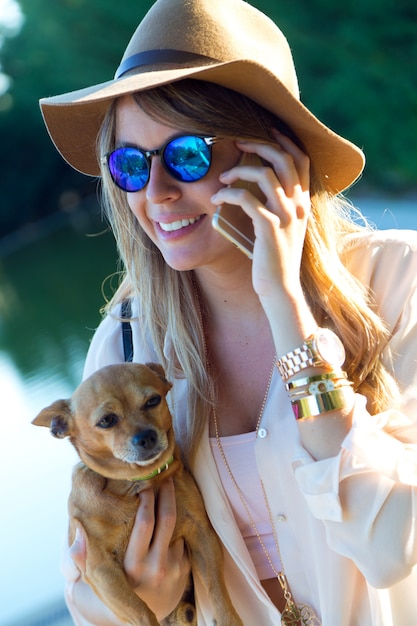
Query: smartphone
x=231, y=220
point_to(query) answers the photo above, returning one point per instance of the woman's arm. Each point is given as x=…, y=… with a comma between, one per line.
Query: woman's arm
x=280, y=229
x=357, y=476
x=373, y=477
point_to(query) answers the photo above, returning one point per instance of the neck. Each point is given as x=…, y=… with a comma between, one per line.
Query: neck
x=224, y=294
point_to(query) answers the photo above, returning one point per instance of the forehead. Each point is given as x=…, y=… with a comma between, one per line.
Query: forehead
x=134, y=126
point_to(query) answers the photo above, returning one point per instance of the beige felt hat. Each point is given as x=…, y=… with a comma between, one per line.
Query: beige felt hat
x=227, y=42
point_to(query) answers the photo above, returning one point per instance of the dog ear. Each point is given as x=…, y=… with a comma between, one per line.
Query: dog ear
x=57, y=417
x=158, y=369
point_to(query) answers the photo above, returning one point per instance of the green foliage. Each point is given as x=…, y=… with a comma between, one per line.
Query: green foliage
x=356, y=64
x=63, y=45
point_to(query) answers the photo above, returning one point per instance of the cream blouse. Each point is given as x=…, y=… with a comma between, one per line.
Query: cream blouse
x=347, y=525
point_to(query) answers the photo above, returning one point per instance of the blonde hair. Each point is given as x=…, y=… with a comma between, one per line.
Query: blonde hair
x=167, y=297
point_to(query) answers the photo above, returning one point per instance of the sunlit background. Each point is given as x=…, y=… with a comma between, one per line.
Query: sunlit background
x=55, y=251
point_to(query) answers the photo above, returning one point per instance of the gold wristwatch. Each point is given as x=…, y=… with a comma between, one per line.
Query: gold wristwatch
x=322, y=349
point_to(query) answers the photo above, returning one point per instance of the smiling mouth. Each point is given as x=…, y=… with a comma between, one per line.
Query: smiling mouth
x=178, y=224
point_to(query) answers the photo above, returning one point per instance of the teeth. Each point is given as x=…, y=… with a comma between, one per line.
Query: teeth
x=178, y=224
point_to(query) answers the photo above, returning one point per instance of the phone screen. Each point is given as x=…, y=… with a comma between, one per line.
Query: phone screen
x=231, y=220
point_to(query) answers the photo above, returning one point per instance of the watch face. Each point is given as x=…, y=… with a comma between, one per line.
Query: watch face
x=329, y=347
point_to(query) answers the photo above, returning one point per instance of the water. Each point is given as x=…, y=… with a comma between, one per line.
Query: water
x=50, y=295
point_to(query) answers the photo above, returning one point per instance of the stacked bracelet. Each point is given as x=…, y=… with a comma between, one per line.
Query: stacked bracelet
x=325, y=392
x=328, y=391
x=317, y=384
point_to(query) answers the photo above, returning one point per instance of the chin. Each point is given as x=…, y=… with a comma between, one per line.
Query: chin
x=183, y=262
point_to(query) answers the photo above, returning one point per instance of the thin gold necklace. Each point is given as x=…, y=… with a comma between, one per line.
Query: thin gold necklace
x=293, y=614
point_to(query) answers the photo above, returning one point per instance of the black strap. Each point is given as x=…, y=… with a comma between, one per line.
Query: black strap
x=127, y=330
x=156, y=57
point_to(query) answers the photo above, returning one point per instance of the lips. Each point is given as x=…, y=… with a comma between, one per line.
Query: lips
x=170, y=227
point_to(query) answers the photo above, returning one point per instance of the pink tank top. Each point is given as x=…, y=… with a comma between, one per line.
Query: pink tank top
x=240, y=454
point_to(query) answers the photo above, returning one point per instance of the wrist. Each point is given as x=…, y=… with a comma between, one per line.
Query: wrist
x=290, y=322
x=322, y=436
x=86, y=608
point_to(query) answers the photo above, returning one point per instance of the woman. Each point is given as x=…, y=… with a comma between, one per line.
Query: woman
x=294, y=373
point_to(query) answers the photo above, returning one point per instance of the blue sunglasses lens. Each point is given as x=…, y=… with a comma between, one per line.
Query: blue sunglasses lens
x=129, y=168
x=186, y=158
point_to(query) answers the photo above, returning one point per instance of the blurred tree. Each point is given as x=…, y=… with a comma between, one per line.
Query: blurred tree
x=63, y=45
x=356, y=64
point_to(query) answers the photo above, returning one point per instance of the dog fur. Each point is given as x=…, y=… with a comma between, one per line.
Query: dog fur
x=120, y=424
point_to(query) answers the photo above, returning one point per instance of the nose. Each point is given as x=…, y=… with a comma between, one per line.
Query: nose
x=161, y=186
x=145, y=439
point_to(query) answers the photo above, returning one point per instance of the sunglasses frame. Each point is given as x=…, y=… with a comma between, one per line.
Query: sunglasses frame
x=148, y=154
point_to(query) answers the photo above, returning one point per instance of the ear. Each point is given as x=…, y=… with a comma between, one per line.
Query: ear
x=158, y=369
x=57, y=417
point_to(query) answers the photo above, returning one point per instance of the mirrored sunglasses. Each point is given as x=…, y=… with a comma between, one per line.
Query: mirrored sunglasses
x=186, y=158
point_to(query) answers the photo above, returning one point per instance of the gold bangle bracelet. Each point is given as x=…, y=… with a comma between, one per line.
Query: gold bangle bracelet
x=302, y=382
x=311, y=406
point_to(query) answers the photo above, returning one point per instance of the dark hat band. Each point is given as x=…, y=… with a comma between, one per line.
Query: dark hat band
x=153, y=57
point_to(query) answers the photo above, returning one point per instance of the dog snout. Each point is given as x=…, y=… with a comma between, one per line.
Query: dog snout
x=145, y=439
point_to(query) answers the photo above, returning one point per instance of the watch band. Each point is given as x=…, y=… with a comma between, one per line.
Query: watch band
x=322, y=349
x=297, y=360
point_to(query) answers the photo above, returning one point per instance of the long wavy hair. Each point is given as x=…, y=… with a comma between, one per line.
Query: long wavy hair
x=167, y=298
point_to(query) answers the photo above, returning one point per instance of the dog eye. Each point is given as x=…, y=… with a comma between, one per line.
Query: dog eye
x=108, y=421
x=153, y=401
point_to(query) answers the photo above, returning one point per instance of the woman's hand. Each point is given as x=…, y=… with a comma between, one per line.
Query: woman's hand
x=280, y=224
x=156, y=570
x=280, y=227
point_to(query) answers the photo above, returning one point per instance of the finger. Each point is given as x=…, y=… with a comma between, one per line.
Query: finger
x=274, y=197
x=300, y=158
x=78, y=549
x=142, y=531
x=166, y=518
x=285, y=183
x=289, y=163
x=180, y=557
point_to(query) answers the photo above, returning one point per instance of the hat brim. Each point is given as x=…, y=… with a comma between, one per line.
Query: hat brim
x=74, y=119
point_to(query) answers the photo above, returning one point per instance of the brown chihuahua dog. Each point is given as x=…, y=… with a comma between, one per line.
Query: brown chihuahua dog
x=120, y=424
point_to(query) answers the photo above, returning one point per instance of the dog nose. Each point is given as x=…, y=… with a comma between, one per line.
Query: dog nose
x=145, y=439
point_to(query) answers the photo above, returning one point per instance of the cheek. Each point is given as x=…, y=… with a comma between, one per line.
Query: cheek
x=164, y=418
x=98, y=442
x=136, y=205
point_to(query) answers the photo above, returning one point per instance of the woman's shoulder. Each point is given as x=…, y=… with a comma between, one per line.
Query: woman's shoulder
x=373, y=250
x=385, y=262
x=371, y=241
x=107, y=345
